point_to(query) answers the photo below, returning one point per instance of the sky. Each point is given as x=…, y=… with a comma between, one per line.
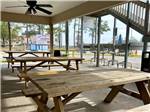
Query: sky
x=107, y=36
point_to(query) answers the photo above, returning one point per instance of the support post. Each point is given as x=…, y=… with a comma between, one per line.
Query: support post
x=146, y=26
x=74, y=34
x=67, y=36
x=51, y=39
x=127, y=39
x=81, y=40
x=98, y=40
x=114, y=38
x=9, y=30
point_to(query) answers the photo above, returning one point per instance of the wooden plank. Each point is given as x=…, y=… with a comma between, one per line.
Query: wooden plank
x=26, y=51
x=43, y=73
x=72, y=82
x=61, y=83
x=47, y=58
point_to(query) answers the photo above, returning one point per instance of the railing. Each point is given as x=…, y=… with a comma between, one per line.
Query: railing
x=137, y=13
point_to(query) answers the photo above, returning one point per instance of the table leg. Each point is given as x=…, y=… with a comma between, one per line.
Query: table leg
x=68, y=65
x=66, y=100
x=94, y=56
x=149, y=85
x=43, y=100
x=77, y=64
x=8, y=64
x=21, y=67
x=59, y=107
x=144, y=93
x=47, y=55
x=25, y=68
x=43, y=54
x=102, y=55
x=113, y=93
x=25, y=73
x=11, y=59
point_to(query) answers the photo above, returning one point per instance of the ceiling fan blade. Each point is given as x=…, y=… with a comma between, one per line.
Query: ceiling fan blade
x=43, y=10
x=16, y=6
x=44, y=5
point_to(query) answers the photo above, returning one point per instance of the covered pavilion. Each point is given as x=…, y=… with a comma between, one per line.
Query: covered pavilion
x=79, y=9
x=135, y=14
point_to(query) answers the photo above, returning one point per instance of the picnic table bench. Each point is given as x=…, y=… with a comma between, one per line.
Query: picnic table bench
x=64, y=86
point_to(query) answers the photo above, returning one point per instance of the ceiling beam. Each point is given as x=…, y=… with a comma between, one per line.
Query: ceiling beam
x=84, y=9
x=14, y=17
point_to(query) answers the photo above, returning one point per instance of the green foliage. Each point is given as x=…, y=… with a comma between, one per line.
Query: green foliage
x=104, y=27
x=4, y=30
x=15, y=29
x=58, y=28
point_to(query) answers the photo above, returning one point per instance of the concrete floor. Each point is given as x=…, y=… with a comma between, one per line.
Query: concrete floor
x=90, y=101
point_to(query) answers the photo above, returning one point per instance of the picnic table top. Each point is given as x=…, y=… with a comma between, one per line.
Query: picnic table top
x=61, y=83
x=47, y=58
x=27, y=51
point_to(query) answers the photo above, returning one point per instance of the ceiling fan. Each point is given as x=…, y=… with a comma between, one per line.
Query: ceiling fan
x=33, y=7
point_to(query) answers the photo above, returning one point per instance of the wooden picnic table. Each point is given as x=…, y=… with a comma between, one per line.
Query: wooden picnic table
x=10, y=57
x=64, y=86
x=23, y=53
x=24, y=67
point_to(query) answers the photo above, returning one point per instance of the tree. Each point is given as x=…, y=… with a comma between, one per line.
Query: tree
x=58, y=29
x=78, y=31
x=93, y=31
x=104, y=27
x=4, y=32
x=15, y=29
